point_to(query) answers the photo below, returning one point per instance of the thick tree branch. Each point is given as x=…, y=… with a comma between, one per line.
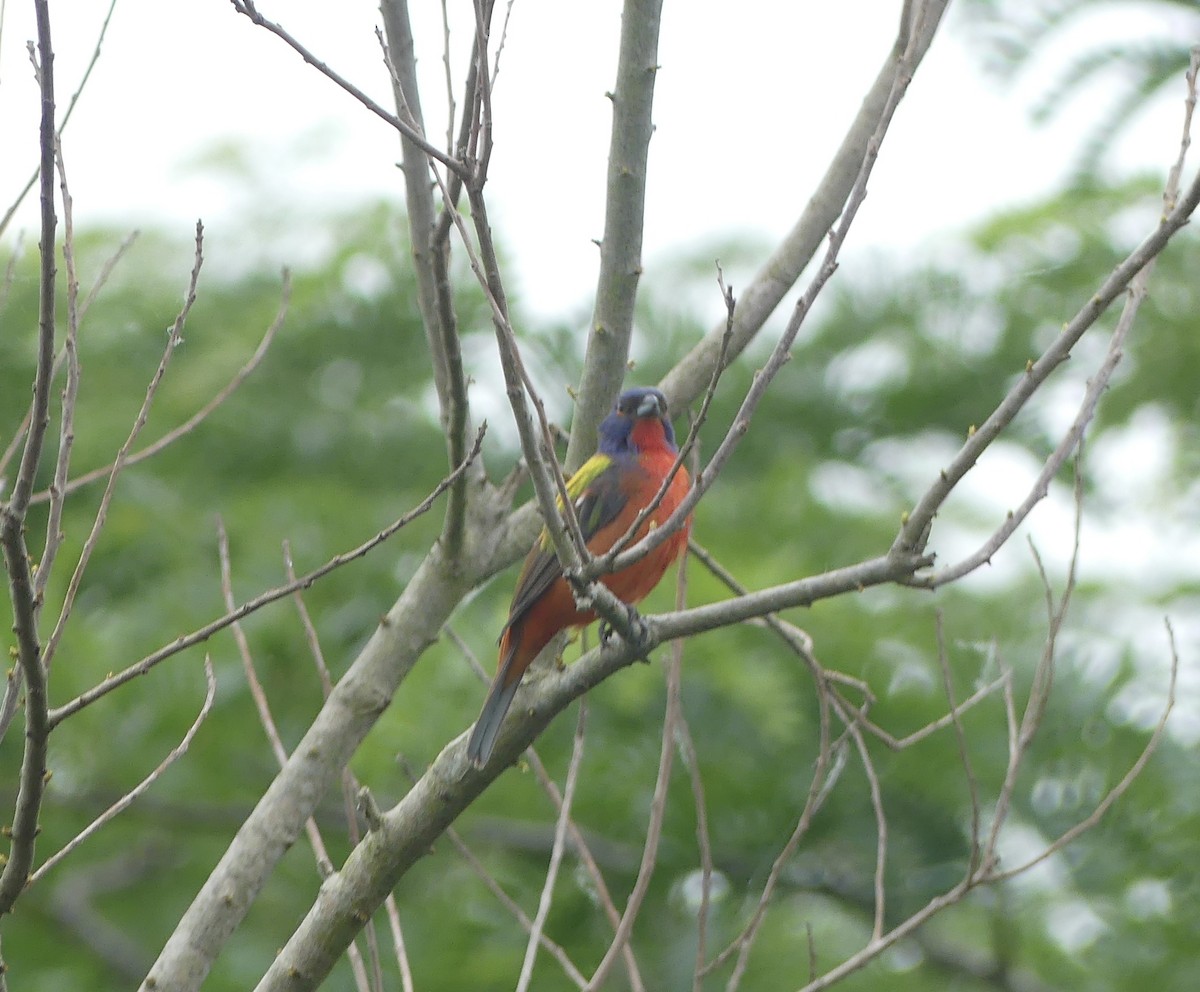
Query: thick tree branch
x=921, y=31
x=779, y=273
x=632, y=99
x=430, y=254
x=451, y=784
x=275, y=823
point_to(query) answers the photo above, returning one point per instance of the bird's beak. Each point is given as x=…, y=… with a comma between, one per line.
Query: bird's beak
x=649, y=407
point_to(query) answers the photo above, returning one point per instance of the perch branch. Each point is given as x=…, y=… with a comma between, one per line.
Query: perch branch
x=607, y=355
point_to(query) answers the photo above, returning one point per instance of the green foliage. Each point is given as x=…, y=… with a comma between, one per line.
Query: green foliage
x=335, y=435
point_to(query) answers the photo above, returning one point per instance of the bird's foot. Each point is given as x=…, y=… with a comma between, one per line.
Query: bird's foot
x=638, y=631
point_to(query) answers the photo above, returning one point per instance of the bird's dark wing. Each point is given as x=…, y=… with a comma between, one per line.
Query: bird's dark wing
x=598, y=499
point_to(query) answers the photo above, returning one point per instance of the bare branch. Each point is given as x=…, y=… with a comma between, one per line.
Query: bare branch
x=196, y=419
x=324, y=863
x=687, y=747
x=826, y=771
x=658, y=804
x=556, y=852
x=102, y=277
x=881, y=832
x=779, y=273
x=66, y=437
x=174, y=337
x=406, y=977
x=607, y=355
x=1021, y=737
x=431, y=261
x=131, y=796
x=588, y=861
x=553, y=949
x=12, y=514
x=1118, y=790
x=204, y=633
x=930, y=13
x=603, y=564
x=658, y=810
x=350, y=789
x=1138, y=279
x=404, y=125
x=913, y=533
x=10, y=273
x=960, y=736
x=578, y=841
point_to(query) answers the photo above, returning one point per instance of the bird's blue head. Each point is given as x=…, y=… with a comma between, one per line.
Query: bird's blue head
x=639, y=420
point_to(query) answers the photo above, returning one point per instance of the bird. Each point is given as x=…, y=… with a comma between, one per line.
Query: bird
x=636, y=452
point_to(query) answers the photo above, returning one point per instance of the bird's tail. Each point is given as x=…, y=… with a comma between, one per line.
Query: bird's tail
x=487, y=727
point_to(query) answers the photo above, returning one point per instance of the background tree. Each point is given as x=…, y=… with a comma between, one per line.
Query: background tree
x=787, y=841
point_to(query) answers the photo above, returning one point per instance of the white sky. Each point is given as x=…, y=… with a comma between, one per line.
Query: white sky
x=749, y=108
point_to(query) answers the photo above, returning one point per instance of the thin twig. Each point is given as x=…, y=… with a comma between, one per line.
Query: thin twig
x=266, y=720
x=1138, y=283
x=252, y=606
x=1131, y=274
x=70, y=393
x=826, y=771
x=393, y=915
x=450, y=106
x=431, y=261
x=605, y=563
x=781, y=354
x=500, y=46
x=350, y=789
x=599, y=887
x=587, y=859
x=1118, y=790
x=556, y=852
x=658, y=805
x=606, y=357
x=405, y=127
x=106, y=270
x=658, y=809
x=30, y=659
x=87, y=73
x=6, y=284
x=691, y=759
x=174, y=337
x=553, y=949
x=881, y=830
x=960, y=735
x=128, y=799
x=200, y=415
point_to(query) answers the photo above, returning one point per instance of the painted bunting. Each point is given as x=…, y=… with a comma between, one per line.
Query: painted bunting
x=635, y=454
